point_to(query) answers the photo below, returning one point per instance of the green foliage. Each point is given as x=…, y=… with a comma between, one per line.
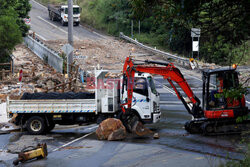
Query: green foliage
x=233, y=93
x=241, y=118
x=10, y=35
x=12, y=26
x=242, y=163
x=224, y=26
x=166, y=24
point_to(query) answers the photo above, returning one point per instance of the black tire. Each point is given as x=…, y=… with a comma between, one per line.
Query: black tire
x=77, y=23
x=100, y=118
x=50, y=127
x=53, y=17
x=50, y=17
x=36, y=125
x=63, y=23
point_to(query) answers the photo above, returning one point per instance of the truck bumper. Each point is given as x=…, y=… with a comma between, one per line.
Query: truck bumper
x=156, y=117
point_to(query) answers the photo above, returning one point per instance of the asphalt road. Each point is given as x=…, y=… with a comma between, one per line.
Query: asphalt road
x=53, y=30
x=174, y=148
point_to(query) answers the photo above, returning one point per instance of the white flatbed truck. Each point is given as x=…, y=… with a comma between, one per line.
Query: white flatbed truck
x=40, y=116
x=60, y=13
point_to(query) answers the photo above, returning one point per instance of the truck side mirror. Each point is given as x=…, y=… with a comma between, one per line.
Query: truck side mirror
x=147, y=99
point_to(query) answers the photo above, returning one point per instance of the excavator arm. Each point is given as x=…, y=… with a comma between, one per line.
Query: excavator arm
x=169, y=72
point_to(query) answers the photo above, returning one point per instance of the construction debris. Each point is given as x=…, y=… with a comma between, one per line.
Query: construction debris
x=37, y=77
x=111, y=129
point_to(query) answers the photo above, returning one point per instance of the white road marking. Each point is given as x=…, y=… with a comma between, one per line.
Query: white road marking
x=93, y=32
x=167, y=88
x=73, y=141
x=41, y=37
x=55, y=26
x=39, y=4
x=99, y=34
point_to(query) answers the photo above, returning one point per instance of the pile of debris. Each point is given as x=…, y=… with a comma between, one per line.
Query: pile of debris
x=108, y=53
x=37, y=76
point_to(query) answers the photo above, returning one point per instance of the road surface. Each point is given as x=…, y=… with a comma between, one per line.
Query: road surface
x=174, y=148
x=53, y=30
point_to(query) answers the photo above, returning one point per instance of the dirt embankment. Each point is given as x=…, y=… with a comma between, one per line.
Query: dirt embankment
x=108, y=53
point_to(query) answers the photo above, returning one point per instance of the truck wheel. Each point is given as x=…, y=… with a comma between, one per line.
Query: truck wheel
x=63, y=23
x=50, y=127
x=100, y=118
x=50, y=17
x=53, y=17
x=36, y=125
x=77, y=23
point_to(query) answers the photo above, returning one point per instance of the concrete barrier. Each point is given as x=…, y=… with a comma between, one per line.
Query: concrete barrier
x=46, y=54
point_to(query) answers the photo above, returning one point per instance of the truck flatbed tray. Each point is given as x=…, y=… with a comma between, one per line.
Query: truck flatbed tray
x=52, y=106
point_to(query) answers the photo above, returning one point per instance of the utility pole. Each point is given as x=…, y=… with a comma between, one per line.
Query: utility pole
x=70, y=31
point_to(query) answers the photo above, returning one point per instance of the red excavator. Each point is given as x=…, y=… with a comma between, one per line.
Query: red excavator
x=218, y=115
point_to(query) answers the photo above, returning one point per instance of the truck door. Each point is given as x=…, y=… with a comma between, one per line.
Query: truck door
x=153, y=95
x=141, y=94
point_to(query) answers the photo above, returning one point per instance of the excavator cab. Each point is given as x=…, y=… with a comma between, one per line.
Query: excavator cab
x=216, y=103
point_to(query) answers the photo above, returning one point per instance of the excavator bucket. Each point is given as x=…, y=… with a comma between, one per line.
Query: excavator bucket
x=140, y=130
x=136, y=127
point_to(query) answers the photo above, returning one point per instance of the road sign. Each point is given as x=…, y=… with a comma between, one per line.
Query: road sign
x=195, y=46
x=27, y=20
x=195, y=32
x=67, y=49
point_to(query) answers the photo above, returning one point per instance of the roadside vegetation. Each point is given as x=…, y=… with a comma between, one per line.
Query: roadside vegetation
x=167, y=24
x=12, y=26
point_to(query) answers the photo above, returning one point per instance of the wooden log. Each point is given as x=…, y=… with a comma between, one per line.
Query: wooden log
x=55, y=87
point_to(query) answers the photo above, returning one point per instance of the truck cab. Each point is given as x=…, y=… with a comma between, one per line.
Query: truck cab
x=76, y=14
x=145, y=98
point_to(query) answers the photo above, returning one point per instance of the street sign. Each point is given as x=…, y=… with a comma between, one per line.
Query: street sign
x=195, y=32
x=27, y=21
x=67, y=49
x=195, y=46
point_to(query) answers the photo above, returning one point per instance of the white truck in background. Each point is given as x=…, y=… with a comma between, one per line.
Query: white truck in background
x=40, y=116
x=60, y=13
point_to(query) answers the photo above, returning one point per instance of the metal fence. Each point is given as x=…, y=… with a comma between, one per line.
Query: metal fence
x=48, y=55
x=182, y=60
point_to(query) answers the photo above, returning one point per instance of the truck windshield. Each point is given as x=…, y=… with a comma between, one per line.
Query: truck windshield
x=152, y=85
x=140, y=86
x=75, y=10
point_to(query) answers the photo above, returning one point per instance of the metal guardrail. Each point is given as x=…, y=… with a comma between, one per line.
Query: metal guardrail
x=48, y=55
x=182, y=60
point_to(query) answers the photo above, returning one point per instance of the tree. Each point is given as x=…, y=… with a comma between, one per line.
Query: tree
x=224, y=23
x=10, y=36
x=12, y=26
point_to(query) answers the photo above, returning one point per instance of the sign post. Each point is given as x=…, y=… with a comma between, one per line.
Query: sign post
x=20, y=80
x=67, y=49
x=195, y=34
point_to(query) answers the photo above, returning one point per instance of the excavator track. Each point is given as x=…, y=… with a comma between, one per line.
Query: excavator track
x=216, y=127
